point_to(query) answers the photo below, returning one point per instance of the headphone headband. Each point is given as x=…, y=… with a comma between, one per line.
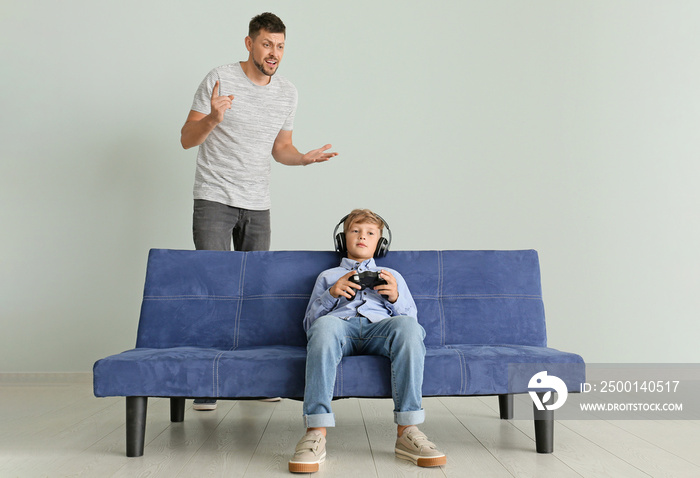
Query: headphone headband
x=382, y=245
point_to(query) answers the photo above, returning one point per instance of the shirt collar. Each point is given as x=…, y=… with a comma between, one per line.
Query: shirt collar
x=354, y=265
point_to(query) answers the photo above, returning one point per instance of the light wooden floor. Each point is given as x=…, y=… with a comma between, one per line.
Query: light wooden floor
x=52, y=426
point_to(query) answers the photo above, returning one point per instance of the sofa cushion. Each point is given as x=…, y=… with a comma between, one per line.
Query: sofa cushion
x=229, y=300
x=271, y=371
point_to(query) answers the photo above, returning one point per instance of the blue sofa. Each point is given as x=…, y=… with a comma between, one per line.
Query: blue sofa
x=228, y=325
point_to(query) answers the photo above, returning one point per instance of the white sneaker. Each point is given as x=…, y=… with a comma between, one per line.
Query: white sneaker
x=204, y=404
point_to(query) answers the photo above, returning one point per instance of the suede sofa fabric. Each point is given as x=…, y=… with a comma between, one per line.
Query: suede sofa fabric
x=229, y=325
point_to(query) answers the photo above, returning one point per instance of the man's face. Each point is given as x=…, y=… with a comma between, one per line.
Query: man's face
x=266, y=51
x=361, y=240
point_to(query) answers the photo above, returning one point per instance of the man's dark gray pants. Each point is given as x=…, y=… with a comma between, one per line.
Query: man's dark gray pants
x=215, y=225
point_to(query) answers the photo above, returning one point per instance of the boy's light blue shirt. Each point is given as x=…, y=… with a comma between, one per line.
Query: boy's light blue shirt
x=366, y=303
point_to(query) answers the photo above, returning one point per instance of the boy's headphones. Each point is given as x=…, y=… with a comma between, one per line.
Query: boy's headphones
x=382, y=245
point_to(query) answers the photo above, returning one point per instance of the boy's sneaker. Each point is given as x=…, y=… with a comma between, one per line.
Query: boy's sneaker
x=309, y=453
x=204, y=404
x=414, y=446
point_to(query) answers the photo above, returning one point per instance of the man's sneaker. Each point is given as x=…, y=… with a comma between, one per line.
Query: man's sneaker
x=204, y=404
x=309, y=453
x=414, y=446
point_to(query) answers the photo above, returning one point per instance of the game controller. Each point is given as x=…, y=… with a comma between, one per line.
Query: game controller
x=369, y=279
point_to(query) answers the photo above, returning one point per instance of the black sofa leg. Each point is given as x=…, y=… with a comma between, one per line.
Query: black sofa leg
x=505, y=405
x=544, y=427
x=177, y=409
x=135, y=425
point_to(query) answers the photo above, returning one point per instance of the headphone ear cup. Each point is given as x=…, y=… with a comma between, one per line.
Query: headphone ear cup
x=340, y=243
x=382, y=247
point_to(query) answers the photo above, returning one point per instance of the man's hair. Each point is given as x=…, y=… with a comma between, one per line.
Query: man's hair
x=363, y=216
x=266, y=21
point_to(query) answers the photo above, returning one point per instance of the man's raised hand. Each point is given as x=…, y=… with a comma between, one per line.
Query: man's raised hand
x=318, y=155
x=219, y=104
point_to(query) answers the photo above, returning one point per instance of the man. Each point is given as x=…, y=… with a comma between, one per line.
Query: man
x=241, y=114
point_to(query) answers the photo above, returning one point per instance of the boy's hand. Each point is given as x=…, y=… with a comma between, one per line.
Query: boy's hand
x=344, y=287
x=389, y=290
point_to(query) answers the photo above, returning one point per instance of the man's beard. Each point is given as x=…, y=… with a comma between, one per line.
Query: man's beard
x=261, y=67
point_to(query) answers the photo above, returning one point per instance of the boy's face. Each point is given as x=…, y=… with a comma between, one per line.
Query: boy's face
x=361, y=239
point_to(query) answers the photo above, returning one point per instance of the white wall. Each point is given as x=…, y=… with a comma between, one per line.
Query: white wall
x=569, y=127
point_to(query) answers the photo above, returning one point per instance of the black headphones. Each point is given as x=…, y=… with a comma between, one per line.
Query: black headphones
x=341, y=246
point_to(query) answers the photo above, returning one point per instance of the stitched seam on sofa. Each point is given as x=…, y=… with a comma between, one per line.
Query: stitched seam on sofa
x=482, y=296
x=462, y=369
x=339, y=383
x=441, y=305
x=307, y=296
x=493, y=296
x=466, y=372
x=516, y=346
x=230, y=297
x=215, y=377
x=191, y=297
x=241, y=281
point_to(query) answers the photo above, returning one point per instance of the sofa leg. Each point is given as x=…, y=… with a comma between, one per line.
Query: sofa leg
x=505, y=405
x=135, y=425
x=544, y=427
x=177, y=409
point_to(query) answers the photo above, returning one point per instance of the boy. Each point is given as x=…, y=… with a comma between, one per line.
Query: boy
x=342, y=319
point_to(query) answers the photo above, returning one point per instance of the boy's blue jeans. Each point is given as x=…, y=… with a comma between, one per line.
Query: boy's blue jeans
x=398, y=338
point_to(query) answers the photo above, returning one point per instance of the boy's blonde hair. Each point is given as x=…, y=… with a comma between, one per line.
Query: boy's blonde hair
x=363, y=216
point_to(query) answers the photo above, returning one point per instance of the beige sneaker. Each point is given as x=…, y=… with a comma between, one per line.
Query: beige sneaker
x=309, y=454
x=414, y=446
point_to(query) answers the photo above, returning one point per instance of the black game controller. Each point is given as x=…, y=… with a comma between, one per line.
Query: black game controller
x=369, y=279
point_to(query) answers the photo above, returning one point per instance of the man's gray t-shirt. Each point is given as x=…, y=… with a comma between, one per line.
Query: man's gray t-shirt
x=233, y=163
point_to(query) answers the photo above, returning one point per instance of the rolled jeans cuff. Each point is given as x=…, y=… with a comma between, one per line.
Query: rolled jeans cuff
x=319, y=420
x=409, y=418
